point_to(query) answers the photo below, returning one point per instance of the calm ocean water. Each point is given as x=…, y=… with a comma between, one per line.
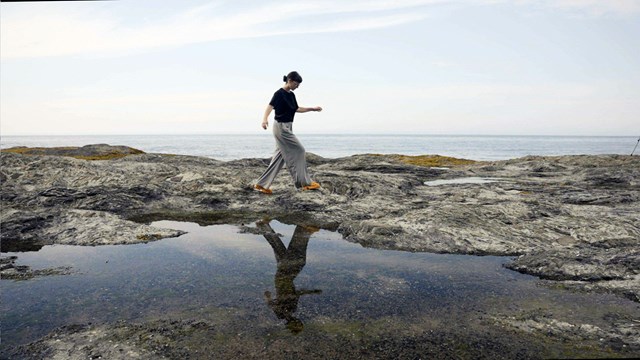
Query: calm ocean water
x=230, y=147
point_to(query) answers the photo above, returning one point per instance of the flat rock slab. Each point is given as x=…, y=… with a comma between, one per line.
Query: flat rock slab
x=574, y=219
x=87, y=152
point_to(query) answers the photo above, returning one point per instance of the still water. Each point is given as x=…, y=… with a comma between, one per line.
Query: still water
x=278, y=281
x=231, y=147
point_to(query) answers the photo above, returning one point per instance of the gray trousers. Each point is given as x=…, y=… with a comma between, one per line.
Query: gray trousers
x=289, y=152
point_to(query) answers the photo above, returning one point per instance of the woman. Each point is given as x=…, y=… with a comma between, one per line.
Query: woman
x=289, y=150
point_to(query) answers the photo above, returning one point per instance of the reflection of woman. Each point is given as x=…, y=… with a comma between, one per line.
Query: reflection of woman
x=290, y=260
x=289, y=150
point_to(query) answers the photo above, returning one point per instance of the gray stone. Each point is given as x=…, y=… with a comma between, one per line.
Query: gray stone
x=567, y=218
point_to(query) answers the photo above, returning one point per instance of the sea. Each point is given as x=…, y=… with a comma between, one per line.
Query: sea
x=238, y=146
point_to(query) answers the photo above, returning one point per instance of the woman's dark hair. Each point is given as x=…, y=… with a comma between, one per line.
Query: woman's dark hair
x=293, y=76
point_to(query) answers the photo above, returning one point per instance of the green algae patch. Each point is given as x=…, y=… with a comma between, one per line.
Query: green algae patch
x=87, y=152
x=432, y=160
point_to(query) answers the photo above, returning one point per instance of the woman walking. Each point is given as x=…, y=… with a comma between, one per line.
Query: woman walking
x=289, y=150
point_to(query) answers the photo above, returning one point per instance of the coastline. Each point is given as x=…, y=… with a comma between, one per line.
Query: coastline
x=227, y=147
x=538, y=205
x=571, y=220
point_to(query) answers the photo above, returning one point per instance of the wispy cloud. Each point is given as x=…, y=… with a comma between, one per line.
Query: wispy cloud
x=57, y=31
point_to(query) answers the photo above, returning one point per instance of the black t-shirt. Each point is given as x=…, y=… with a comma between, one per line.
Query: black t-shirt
x=285, y=104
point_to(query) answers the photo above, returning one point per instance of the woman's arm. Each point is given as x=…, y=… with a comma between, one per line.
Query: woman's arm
x=265, y=118
x=306, y=109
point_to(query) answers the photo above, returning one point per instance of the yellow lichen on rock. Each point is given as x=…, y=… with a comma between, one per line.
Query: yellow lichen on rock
x=23, y=150
x=110, y=156
x=432, y=160
x=88, y=152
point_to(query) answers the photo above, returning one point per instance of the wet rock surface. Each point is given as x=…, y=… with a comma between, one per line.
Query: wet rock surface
x=197, y=339
x=87, y=152
x=571, y=220
x=11, y=271
x=568, y=218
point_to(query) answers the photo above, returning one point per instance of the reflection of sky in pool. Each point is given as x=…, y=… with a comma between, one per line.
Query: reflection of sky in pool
x=216, y=267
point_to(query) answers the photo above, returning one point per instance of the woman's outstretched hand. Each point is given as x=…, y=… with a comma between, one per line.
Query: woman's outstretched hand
x=317, y=108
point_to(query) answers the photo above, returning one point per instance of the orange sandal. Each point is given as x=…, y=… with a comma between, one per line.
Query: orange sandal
x=263, y=189
x=313, y=186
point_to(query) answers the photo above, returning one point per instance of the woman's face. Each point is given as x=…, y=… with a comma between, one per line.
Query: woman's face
x=293, y=84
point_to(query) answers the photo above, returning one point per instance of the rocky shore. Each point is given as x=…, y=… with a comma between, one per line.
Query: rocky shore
x=571, y=220
x=574, y=219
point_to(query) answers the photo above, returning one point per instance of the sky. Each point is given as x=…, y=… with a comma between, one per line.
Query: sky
x=474, y=67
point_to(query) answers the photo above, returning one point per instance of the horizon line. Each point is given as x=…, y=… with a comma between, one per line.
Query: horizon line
x=321, y=134
x=314, y=133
